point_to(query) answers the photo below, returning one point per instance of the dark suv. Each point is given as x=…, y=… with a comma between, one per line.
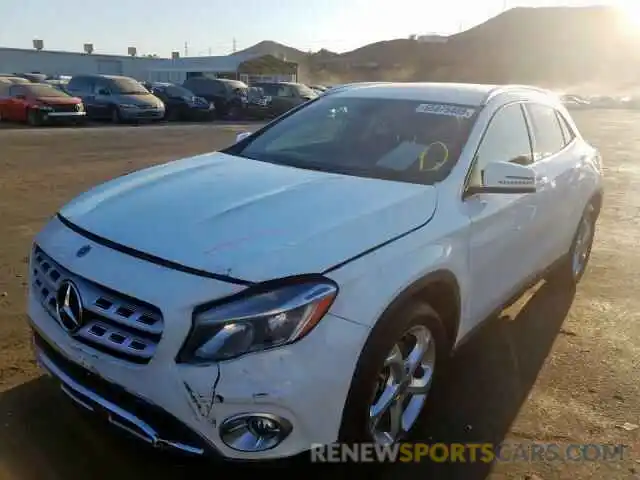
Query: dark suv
x=115, y=98
x=180, y=103
x=228, y=96
x=285, y=95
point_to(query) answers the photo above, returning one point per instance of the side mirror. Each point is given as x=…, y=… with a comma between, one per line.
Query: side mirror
x=506, y=177
x=241, y=136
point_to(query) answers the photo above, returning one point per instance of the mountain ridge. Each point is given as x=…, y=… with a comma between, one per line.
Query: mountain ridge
x=539, y=45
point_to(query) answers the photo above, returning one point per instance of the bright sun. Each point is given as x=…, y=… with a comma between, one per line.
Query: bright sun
x=630, y=13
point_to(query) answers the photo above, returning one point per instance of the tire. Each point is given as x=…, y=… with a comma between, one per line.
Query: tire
x=573, y=266
x=234, y=112
x=373, y=378
x=172, y=115
x=116, y=118
x=33, y=118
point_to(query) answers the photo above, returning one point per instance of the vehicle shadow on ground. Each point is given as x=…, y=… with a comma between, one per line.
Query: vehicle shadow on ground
x=41, y=435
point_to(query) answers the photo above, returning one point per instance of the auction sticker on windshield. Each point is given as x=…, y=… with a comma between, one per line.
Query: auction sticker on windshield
x=448, y=110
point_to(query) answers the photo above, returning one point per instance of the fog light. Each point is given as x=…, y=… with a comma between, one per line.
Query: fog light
x=254, y=432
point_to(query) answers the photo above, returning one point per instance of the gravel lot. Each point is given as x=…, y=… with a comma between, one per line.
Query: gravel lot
x=558, y=367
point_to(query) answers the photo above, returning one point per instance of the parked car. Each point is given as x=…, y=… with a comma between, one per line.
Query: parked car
x=38, y=103
x=32, y=77
x=9, y=78
x=307, y=284
x=116, y=98
x=259, y=106
x=228, y=96
x=574, y=101
x=319, y=89
x=286, y=95
x=180, y=103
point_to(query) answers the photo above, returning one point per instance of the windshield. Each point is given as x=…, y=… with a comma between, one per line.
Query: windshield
x=127, y=86
x=177, y=91
x=404, y=140
x=44, y=90
x=237, y=84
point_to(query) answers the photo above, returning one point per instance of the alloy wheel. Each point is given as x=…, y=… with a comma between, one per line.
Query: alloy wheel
x=582, y=247
x=403, y=386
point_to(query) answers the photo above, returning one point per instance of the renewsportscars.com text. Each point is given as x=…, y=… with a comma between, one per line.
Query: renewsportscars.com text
x=469, y=452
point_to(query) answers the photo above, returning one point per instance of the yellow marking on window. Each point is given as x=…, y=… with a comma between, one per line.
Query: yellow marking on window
x=437, y=165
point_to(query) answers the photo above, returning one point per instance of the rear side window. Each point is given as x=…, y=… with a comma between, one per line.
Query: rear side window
x=567, y=131
x=204, y=86
x=17, y=90
x=547, y=133
x=80, y=84
x=270, y=89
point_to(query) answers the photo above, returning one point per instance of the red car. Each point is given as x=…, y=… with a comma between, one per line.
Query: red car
x=38, y=103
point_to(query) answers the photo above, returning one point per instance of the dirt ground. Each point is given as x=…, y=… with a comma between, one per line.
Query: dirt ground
x=560, y=367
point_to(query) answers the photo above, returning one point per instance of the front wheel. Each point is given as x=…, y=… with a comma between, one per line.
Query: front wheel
x=394, y=377
x=34, y=118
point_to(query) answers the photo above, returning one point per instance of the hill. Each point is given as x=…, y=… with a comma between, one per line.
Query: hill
x=551, y=46
x=269, y=47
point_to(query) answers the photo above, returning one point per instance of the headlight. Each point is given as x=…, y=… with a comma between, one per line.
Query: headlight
x=79, y=107
x=45, y=108
x=258, y=320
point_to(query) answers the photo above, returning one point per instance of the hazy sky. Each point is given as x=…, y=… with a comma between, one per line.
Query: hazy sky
x=209, y=26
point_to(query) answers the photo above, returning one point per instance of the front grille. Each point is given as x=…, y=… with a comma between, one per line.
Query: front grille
x=167, y=426
x=65, y=108
x=112, y=323
x=149, y=113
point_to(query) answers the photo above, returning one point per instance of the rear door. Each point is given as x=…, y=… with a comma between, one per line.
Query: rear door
x=5, y=99
x=556, y=164
x=287, y=97
x=501, y=244
x=102, y=98
x=82, y=87
x=17, y=104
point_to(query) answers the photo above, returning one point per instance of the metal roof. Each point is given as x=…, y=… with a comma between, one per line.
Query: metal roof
x=223, y=63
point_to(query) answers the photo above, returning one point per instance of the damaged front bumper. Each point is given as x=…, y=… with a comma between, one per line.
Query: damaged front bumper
x=124, y=411
x=181, y=406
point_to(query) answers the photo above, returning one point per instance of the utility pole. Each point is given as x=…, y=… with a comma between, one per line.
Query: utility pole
x=186, y=49
x=209, y=51
x=234, y=45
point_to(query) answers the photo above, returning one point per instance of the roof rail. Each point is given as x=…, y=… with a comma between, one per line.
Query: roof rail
x=511, y=88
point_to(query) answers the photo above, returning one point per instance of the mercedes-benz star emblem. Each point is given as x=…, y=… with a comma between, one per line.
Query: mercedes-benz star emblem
x=83, y=251
x=69, y=306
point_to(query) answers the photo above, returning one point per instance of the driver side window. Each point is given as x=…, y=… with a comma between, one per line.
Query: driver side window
x=506, y=139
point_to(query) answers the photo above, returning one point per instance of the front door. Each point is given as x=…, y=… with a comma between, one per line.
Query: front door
x=501, y=244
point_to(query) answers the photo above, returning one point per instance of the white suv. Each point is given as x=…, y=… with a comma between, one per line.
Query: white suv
x=304, y=285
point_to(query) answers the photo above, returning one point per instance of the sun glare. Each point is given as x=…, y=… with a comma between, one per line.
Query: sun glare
x=630, y=13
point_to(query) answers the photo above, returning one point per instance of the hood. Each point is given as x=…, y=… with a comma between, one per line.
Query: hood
x=59, y=100
x=247, y=219
x=142, y=100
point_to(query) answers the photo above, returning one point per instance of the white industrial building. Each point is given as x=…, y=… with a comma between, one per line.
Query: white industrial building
x=239, y=66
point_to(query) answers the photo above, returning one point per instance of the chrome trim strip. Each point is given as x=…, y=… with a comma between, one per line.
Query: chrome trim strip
x=66, y=114
x=72, y=389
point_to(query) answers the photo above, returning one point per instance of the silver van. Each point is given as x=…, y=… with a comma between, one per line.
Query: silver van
x=116, y=98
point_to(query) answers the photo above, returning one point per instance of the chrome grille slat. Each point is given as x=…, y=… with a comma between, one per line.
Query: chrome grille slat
x=113, y=323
